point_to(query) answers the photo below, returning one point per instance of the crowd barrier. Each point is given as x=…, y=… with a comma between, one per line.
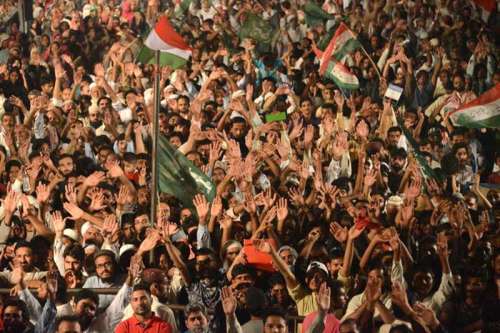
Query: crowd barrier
x=293, y=321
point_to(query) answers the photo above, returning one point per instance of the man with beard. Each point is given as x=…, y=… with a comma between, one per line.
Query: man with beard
x=23, y=258
x=106, y=276
x=160, y=291
x=143, y=319
x=16, y=318
x=204, y=283
x=86, y=302
x=196, y=319
x=397, y=163
x=465, y=176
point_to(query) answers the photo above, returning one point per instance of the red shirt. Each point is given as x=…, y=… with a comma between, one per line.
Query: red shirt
x=153, y=325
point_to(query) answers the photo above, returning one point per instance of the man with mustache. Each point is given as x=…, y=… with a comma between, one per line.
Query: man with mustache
x=143, y=320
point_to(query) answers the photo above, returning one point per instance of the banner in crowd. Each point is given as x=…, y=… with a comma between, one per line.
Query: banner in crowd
x=175, y=52
x=258, y=29
x=177, y=176
x=482, y=112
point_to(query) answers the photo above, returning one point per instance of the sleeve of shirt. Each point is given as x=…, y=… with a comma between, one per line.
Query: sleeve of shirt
x=203, y=236
x=352, y=306
x=34, y=307
x=397, y=273
x=446, y=287
x=297, y=293
x=58, y=256
x=114, y=312
x=47, y=321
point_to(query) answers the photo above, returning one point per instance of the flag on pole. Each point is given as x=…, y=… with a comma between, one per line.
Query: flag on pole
x=175, y=52
x=333, y=69
x=342, y=43
x=487, y=7
x=177, y=176
x=481, y=112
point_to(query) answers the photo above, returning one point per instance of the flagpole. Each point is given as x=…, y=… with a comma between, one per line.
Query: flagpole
x=371, y=61
x=154, y=153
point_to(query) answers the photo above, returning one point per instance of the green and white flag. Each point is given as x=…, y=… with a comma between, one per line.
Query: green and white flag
x=258, y=29
x=179, y=177
x=482, y=112
x=341, y=75
x=174, y=51
x=343, y=42
x=315, y=15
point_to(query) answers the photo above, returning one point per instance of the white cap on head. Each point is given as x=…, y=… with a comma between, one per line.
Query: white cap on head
x=70, y=233
x=84, y=228
x=318, y=265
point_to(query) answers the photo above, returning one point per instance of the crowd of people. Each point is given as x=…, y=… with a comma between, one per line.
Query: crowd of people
x=343, y=209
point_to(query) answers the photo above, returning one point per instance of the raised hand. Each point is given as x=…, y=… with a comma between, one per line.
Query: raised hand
x=282, y=209
x=122, y=196
x=114, y=169
x=58, y=222
x=10, y=201
x=97, y=200
x=150, y=241
x=262, y=245
x=216, y=208
x=70, y=193
x=296, y=197
x=75, y=211
x=308, y=136
x=399, y=296
x=110, y=228
x=17, y=276
x=228, y=301
x=442, y=244
x=338, y=232
x=201, y=205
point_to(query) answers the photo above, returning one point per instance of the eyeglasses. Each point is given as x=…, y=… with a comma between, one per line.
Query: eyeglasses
x=108, y=265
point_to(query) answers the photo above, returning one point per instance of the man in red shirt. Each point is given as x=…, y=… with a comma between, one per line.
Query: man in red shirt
x=143, y=320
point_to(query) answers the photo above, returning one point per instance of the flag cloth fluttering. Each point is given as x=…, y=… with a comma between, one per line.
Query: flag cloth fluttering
x=177, y=176
x=482, y=112
x=174, y=51
x=342, y=43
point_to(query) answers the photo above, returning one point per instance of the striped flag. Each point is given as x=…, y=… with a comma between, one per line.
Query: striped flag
x=481, y=112
x=175, y=52
x=341, y=75
x=487, y=7
x=342, y=43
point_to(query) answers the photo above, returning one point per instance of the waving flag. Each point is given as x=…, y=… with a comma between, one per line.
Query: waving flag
x=487, y=7
x=481, y=112
x=179, y=177
x=339, y=45
x=175, y=52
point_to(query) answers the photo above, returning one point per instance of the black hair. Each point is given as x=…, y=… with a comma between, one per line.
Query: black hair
x=194, y=307
x=23, y=244
x=395, y=129
x=142, y=286
x=242, y=269
x=75, y=251
x=275, y=312
x=18, y=304
x=86, y=294
x=69, y=318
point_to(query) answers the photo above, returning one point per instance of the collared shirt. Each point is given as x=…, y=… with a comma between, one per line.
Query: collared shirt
x=153, y=325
